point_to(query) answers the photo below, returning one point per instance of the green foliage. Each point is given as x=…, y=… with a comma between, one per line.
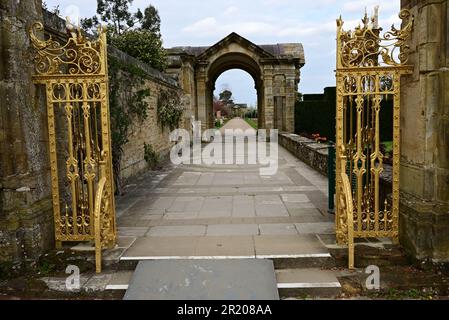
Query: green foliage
x=388, y=146
x=6, y=270
x=218, y=124
x=136, y=34
x=226, y=97
x=46, y=267
x=139, y=105
x=251, y=113
x=114, y=13
x=150, y=156
x=411, y=294
x=149, y=20
x=169, y=109
x=252, y=123
x=143, y=45
x=316, y=114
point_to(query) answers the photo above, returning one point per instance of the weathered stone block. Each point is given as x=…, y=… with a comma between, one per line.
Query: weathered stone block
x=423, y=229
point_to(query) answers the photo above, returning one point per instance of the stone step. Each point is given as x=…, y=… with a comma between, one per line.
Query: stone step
x=294, y=251
x=303, y=283
x=248, y=279
x=291, y=283
x=225, y=247
x=120, y=280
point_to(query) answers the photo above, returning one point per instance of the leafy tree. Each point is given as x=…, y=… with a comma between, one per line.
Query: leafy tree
x=116, y=14
x=136, y=34
x=149, y=20
x=143, y=45
x=226, y=97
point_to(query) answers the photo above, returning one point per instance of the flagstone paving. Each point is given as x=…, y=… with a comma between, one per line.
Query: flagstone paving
x=230, y=210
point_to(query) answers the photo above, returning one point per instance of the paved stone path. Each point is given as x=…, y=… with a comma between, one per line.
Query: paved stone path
x=223, y=211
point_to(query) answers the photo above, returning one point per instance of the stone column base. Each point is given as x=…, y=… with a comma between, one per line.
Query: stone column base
x=424, y=229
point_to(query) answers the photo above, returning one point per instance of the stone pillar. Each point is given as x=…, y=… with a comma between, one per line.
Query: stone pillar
x=291, y=93
x=201, y=98
x=260, y=105
x=210, y=118
x=268, y=97
x=188, y=85
x=424, y=220
x=26, y=218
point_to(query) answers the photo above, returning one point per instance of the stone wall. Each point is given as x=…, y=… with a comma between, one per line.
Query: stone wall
x=307, y=150
x=26, y=219
x=424, y=222
x=26, y=215
x=147, y=131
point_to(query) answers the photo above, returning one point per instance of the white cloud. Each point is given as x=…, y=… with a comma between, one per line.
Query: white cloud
x=302, y=30
x=211, y=26
x=207, y=24
x=231, y=11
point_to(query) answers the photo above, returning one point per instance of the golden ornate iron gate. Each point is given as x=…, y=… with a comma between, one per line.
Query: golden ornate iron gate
x=75, y=76
x=369, y=70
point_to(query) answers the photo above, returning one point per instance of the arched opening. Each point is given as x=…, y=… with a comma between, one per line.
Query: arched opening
x=228, y=62
x=242, y=103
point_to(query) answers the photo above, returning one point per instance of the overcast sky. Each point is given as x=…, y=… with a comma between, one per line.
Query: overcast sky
x=203, y=23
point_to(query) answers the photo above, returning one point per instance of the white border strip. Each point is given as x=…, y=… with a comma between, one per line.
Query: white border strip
x=307, y=285
x=294, y=256
x=275, y=256
x=117, y=287
x=187, y=258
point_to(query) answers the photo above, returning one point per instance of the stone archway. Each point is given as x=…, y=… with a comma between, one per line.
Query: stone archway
x=274, y=68
x=227, y=62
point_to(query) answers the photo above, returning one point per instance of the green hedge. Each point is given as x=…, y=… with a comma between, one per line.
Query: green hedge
x=317, y=113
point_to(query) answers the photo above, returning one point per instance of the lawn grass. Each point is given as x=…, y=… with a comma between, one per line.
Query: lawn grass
x=252, y=123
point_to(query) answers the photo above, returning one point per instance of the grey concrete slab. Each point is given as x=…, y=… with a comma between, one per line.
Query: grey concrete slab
x=188, y=178
x=206, y=179
x=233, y=230
x=125, y=242
x=162, y=203
x=161, y=247
x=214, y=207
x=120, y=280
x=176, y=231
x=271, y=210
x=289, y=246
x=316, y=228
x=203, y=280
x=295, y=198
x=300, y=188
x=132, y=231
x=278, y=229
x=181, y=215
x=229, y=200
x=254, y=190
x=243, y=206
x=225, y=247
x=186, y=204
x=300, y=205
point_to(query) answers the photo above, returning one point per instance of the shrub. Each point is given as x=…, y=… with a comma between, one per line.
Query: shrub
x=169, y=109
x=143, y=45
